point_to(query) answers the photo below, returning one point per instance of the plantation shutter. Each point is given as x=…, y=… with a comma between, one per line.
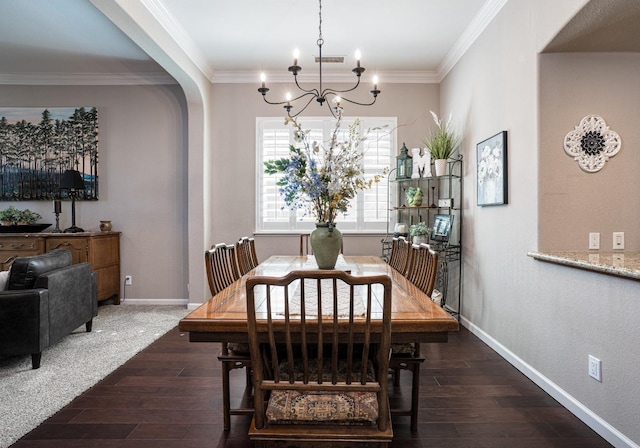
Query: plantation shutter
x=367, y=212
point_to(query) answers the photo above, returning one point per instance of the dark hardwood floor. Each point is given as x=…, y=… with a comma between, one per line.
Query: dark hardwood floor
x=169, y=396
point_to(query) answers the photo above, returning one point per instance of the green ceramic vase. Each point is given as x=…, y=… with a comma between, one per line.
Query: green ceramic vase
x=326, y=241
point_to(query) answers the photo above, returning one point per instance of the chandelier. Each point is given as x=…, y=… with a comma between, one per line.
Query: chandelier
x=320, y=95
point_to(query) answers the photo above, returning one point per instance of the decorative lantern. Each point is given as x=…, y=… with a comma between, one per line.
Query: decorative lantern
x=404, y=164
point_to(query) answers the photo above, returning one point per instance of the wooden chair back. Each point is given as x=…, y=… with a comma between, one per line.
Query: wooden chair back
x=221, y=266
x=423, y=267
x=400, y=253
x=318, y=331
x=305, y=245
x=246, y=254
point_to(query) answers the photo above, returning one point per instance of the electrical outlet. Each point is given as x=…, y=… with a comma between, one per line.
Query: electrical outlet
x=595, y=368
x=594, y=240
x=618, y=240
x=128, y=279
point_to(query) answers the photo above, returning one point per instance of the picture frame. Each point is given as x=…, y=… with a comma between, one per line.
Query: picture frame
x=441, y=227
x=37, y=144
x=492, y=170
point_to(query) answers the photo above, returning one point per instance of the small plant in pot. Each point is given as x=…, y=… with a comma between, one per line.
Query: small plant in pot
x=441, y=144
x=27, y=217
x=420, y=233
x=11, y=216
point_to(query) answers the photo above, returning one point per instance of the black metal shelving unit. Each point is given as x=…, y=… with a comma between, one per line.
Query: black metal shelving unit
x=435, y=189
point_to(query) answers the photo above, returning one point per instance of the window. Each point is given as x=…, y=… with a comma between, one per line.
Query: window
x=367, y=212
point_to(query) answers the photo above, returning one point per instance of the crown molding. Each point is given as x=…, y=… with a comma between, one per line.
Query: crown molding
x=86, y=79
x=486, y=14
x=392, y=77
x=179, y=35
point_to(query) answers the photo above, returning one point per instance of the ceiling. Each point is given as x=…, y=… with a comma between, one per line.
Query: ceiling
x=72, y=42
x=227, y=39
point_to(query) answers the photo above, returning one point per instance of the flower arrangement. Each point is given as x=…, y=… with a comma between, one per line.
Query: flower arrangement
x=443, y=142
x=322, y=180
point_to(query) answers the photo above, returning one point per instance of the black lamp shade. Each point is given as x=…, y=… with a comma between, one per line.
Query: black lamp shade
x=71, y=180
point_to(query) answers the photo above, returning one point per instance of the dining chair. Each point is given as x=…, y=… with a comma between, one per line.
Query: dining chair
x=422, y=272
x=400, y=252
x=305, y=245
x=246, y=254
x=320, y=344
x=221, y=265
x=424, y=267
x=222, y=270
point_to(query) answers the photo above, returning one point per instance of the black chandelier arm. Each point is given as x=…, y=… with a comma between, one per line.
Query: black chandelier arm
x=289, y=107
x=312, y=91
x=329, y=91
x=264, y=97
x=333, y=110
x=372, y=92
x=375, y=97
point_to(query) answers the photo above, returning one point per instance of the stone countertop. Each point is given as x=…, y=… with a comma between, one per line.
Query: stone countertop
x=620, y=264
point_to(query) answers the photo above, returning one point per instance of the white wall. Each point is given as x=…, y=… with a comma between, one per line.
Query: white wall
x=546, y=318
x=143, y=182
x=236, y=107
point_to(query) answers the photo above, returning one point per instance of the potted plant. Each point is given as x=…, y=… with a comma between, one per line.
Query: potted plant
x=420, y=233
x=441, y=144
x=9, y=216
x=27, y=217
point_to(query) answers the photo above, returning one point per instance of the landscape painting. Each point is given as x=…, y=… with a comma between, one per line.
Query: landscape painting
x=38, y=144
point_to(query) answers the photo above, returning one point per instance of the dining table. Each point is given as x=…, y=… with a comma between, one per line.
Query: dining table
x=414, y=316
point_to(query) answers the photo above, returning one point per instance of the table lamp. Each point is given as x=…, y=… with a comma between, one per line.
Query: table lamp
x=72, y=180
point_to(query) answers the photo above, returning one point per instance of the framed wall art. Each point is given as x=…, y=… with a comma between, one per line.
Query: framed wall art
x=38, y=144
x=441, y=227
x=492, y=170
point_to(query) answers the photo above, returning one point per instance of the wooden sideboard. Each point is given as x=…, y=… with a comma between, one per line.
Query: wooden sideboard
x=101, y=249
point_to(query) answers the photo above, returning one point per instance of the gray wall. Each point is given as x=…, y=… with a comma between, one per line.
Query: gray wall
x=545, y=318
x=573, y=202
x=236, y=107
x=143, y=182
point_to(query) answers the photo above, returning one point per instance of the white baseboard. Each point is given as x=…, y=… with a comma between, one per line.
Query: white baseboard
x=193, y=306
x=604, y=429
x=174, y=302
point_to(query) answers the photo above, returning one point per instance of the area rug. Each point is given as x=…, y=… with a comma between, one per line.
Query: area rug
x=75, y=364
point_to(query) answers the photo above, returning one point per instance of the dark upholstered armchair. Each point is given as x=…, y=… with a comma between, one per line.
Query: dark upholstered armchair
x=46, y=298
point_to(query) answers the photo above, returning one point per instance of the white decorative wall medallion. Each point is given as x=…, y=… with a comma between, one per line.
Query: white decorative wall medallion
x=591, y=143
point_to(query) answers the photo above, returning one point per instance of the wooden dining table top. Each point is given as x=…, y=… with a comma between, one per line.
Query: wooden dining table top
x=414, y=316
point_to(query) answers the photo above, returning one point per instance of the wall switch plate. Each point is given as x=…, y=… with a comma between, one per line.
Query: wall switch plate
x=618, y=240
x=595, y=368
x=594, y=240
